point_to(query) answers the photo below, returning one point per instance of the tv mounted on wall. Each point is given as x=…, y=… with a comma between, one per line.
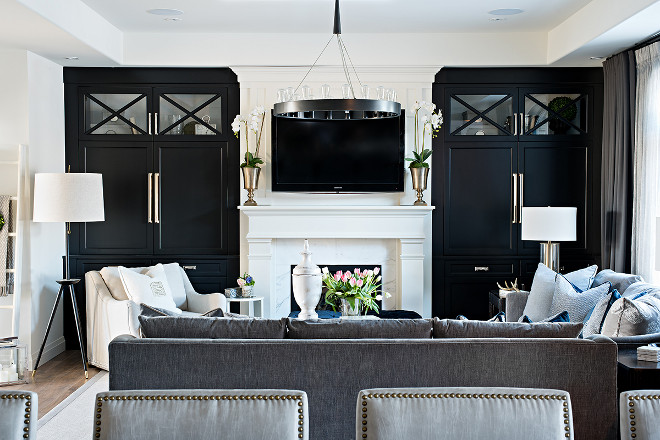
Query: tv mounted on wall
x=338, y=155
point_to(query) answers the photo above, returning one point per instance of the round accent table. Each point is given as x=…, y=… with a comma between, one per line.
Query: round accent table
x=252, y=306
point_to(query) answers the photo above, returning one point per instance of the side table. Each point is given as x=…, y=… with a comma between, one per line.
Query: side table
x=496, y=304
x=252, y=306
x=637, y=375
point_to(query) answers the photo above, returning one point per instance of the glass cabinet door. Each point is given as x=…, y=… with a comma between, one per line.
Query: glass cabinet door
x=554, y=112
x=116, y=113
x=190, y=113
x=481, y=114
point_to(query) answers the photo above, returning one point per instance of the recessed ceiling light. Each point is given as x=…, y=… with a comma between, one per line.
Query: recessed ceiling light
x=497, y=19
x=163, y=11
x=172, y=19
x=71, y=58
x=596, y=58
x=506, y=11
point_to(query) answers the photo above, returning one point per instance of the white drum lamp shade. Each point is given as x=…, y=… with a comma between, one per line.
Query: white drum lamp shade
x=549, y=224
x=68, y=197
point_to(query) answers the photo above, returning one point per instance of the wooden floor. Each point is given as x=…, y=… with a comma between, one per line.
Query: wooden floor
x=56, y=380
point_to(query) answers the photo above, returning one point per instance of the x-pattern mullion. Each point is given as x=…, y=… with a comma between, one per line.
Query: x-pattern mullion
x=552, y=112
x=480, y=114
x=114, y=113
x=189, y=114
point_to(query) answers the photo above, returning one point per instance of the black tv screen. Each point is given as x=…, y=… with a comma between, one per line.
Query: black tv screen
x=338, y=155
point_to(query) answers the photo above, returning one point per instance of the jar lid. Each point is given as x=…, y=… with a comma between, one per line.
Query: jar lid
x=306, y=267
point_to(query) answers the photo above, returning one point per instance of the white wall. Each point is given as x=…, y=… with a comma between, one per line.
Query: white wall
x=33, y=114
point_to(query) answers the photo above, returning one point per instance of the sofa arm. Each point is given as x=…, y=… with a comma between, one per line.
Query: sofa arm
x=202, y=303
x=515, y=305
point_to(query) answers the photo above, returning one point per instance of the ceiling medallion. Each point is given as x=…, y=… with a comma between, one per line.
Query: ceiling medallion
x=293, y=105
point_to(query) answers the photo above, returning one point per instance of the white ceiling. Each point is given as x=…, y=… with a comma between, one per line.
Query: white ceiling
x=315, y=16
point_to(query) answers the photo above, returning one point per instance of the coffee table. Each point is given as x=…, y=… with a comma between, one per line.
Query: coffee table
x=637, y=375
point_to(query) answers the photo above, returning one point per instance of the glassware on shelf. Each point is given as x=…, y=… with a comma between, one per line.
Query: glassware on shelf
x=289, y=93
x=380, y=92
x=281, y=95
x=389, y=94
x=365, y=91
x=306, y=92
x=325, y=91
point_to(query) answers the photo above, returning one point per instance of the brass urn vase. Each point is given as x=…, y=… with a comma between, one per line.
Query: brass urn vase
x=250, y=183
x=419, y=178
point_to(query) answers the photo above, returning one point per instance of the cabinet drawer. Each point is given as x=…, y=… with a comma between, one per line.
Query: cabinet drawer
x=197, y=268
x=481, y=268
x=209, y=284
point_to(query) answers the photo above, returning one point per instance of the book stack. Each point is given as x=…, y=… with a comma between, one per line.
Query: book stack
x=648, y=353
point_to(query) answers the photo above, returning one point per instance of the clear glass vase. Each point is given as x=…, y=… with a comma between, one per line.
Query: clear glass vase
x=347, y=310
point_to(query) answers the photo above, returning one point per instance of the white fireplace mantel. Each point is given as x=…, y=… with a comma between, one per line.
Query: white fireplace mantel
x=406, y=224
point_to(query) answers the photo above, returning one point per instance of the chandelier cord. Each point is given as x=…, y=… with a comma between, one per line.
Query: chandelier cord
x=315, y=61
x=351, y=62
x=347, y=72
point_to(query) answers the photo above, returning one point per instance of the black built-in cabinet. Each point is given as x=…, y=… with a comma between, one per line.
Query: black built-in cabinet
x=503, y=147
x=162, y=140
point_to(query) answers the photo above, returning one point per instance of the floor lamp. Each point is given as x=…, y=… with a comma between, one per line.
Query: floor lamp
x=67, y=197
x=548, y=225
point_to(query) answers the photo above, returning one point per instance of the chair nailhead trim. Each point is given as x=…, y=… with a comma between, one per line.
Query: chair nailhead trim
x=106, y=398
x=27, y=399
x=366, y=397
x=631, y=410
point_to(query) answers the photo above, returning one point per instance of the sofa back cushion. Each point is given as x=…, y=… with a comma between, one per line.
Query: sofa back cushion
x=454, y=328
x=212, y=328
x=360, y=328
x=620, y=281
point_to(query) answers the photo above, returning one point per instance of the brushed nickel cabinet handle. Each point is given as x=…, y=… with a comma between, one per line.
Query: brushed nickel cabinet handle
x=149, y=196
x=522, y=194
x=481, y=268
x=157, y=198
x=515, y=124
x=155, y=123
x=190, y=267
x=522, y=124
x=515, y=198
x=149, y=122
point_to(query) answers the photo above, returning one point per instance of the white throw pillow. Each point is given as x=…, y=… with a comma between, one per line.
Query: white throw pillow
x=628, y=317
x=174, y=275
x=540, y=297
x=578, y=304
x=112, y=279
x=151, y=288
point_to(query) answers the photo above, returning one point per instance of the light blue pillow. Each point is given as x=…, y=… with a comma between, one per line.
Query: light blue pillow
x=543, y=289
x=620, y=281
x=639, y=289
x=577, y=304
x=596, y=318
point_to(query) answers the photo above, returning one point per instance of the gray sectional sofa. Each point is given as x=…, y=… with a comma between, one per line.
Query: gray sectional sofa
x=332, y=361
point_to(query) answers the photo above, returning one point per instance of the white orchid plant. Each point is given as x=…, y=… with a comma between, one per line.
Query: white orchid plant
x=254, y=123
x=427, y=120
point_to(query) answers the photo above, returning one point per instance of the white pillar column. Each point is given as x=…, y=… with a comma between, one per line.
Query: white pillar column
x=261, y=263
x=411, y=275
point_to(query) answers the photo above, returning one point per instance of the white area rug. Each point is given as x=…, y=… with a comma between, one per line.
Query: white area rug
x=73, y=418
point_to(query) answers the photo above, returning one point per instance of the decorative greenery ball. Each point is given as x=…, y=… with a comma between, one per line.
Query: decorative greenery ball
x=564, y=106
x=2, y=222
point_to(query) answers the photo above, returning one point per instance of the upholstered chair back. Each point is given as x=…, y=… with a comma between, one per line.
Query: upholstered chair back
x=640, y=414
x=18, y=415
x=202, y=415
x=463, y=413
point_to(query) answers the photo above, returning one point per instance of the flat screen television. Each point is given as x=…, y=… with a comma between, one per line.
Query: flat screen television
x=338, y=155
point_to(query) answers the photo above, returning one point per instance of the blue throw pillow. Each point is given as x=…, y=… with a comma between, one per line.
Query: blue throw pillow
x=577, y=303
x=594, y=322
x=559, y=317
x=542, y=292
x=620, y=281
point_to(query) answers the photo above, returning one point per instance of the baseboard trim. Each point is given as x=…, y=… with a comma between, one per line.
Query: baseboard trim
x=51, y=350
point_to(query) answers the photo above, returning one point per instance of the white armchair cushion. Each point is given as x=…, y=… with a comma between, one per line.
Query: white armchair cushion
x=174, y=273
x=112, y=279
x=152, y=288
x=202, y=414
x=639, y=414
x=463, y=413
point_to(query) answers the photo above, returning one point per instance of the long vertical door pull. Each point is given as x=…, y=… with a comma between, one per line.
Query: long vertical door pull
x=522, y=194
x=149, y=196
x=157, y=198
x=515, y=198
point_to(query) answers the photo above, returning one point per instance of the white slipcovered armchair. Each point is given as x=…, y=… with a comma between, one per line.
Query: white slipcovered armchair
x=110, y=313
x=464, y=413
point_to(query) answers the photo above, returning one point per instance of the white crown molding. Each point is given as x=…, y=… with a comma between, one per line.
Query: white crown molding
x=264, y=75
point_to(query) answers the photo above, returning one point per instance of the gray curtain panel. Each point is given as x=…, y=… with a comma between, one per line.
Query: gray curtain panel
x=617, y=164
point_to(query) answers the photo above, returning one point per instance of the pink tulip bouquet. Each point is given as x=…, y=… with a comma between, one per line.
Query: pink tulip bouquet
x=358, y=285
